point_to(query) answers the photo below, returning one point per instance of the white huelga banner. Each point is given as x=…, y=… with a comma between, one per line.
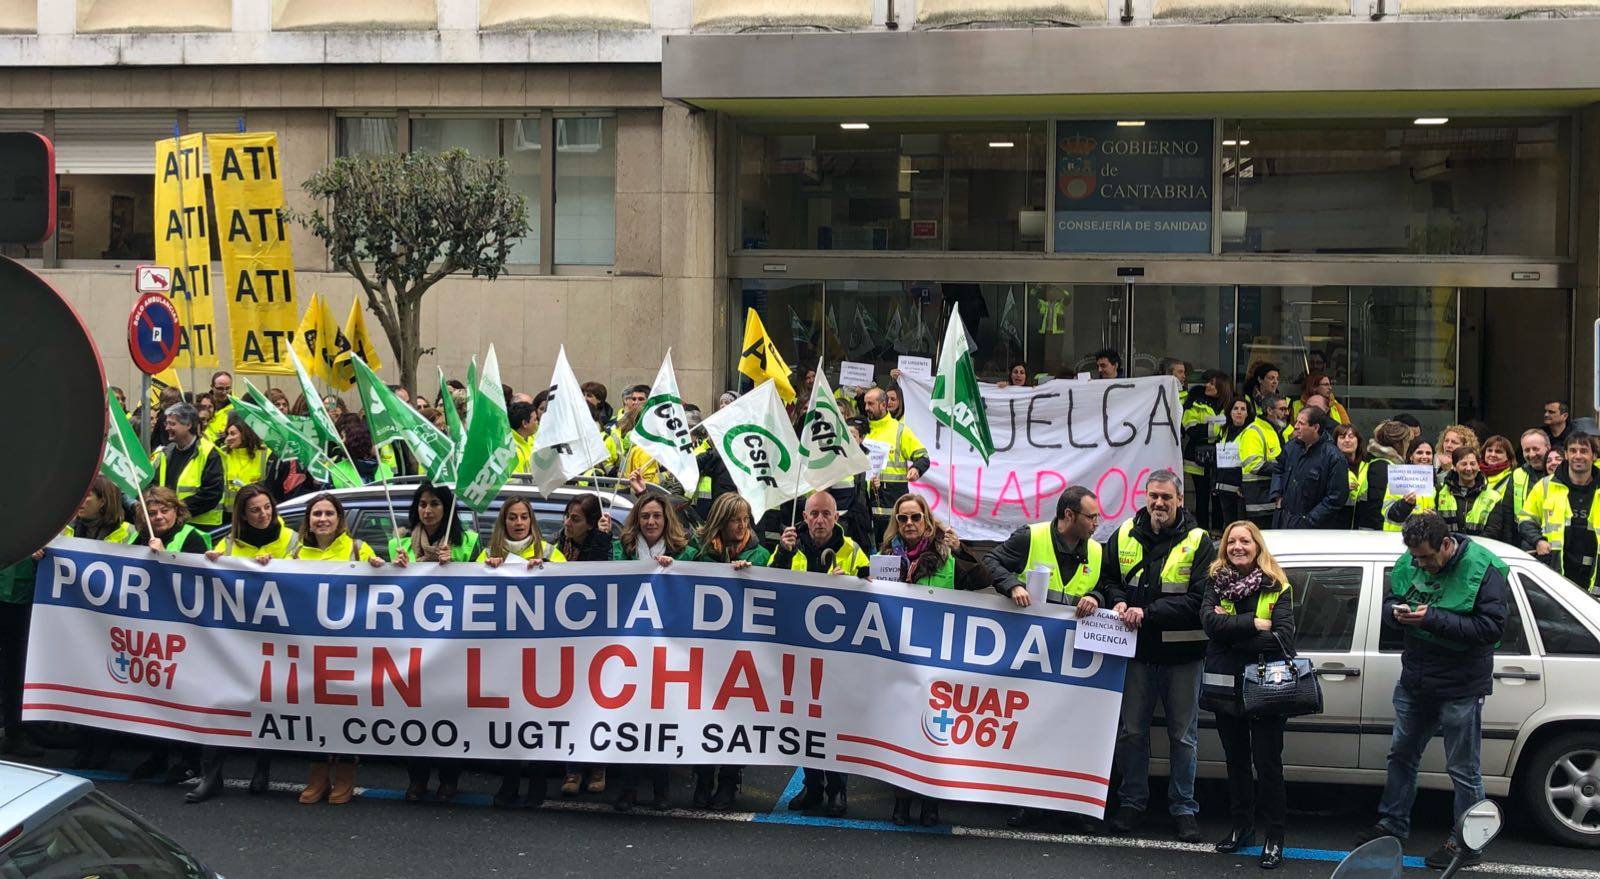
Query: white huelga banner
x=1106, y=435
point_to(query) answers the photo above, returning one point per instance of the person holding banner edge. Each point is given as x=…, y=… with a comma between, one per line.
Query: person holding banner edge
x=1156, y=568
x=1064, y=545
x=432, y=536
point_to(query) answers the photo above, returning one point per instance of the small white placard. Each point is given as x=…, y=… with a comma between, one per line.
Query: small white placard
x=855, y=375
x=886, y=567
x=921, y=367
x=1085, y=376
x=1103, y=632
x=1228, y=455
x=1407, y=478
x=877, y=456
x=1217, y=420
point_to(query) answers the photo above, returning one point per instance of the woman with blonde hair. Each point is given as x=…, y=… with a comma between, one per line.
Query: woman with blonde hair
x=923, y=545
x=1248, y=616
x=516, y=535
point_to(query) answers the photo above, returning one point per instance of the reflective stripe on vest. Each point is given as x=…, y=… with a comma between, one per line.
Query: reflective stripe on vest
x=1550, y=508
x=1477, y=514
x=1042, y=551
x=1389, y=498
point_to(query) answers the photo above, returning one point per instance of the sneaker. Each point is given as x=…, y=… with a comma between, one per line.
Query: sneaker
x=1125, y=819
x=1445, y=855
x=1188, y=829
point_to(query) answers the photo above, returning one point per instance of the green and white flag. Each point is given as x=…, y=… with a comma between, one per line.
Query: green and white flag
x=568, y=443
x=825, y=444
x=394, y=421
x=286, y=440
x=663, y=428
x=457, y=433
x=124, y=461
x=754, y=436
x=327, y=433
x=490, y=454
x=957, y=402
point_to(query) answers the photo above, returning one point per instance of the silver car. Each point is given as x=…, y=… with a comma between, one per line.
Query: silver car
x=1541, y=728
x=54, y=824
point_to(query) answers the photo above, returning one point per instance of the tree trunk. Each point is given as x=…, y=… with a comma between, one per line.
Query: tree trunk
x=408, y=348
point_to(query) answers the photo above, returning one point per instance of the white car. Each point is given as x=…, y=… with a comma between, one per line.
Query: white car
x=1541, y=728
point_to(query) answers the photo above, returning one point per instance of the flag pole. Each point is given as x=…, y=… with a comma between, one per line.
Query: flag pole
x=140, y=494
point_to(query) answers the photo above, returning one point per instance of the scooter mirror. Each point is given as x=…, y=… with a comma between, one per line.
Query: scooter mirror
x=1479, y=825
x=1381, y=858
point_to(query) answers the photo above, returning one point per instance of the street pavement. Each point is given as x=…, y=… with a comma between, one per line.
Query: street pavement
x=378, y=835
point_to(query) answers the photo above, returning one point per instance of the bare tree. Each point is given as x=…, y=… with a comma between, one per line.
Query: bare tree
x=401, y=223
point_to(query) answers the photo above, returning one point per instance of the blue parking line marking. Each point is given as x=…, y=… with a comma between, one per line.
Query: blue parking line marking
x=797, y=783
x=847, y=823
x=1320, y=854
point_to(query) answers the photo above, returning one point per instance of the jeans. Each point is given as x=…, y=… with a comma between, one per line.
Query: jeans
x=1178, y=688
x=1416, y=720
x=1254, y=749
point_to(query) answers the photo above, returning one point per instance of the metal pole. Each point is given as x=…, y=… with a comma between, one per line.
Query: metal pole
x=144, y=411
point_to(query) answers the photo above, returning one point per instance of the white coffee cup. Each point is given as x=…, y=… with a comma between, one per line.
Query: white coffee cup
x=1038, y=583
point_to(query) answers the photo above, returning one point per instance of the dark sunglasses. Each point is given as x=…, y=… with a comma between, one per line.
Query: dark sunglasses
x=908, y=517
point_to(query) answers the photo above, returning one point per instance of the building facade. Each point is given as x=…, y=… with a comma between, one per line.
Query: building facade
x=1404, y=196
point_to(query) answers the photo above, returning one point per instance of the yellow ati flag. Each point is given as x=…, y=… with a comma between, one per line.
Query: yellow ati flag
x=253, y=240
x=355, y=333
x=759, y=357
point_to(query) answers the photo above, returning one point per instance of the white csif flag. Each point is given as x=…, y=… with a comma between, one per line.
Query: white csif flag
x=754, y=436
x=663, y=428
x=568, y=443
x=826, y=451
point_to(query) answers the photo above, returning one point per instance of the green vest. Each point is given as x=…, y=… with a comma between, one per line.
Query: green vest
x=1456, y=590
x=181, y=536
x=465, y=552
x=1042, y=551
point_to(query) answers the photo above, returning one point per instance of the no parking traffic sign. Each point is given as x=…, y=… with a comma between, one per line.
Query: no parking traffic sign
x=153, y=333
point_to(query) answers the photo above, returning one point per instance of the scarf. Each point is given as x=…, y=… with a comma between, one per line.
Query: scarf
x=922, y=560
x=1235, y=585
x=644, y=549
x=424, y=544
x=518, y=547
x=258, y=537
x=1492, y=470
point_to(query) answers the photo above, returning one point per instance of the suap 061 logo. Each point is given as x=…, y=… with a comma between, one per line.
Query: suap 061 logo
x=146, y=658
x=958, y=714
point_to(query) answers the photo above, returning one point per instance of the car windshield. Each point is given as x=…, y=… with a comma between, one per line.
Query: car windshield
x=96, y=836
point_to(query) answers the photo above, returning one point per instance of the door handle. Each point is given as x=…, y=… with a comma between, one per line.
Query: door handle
x=1516, y=676
x=1326, y=671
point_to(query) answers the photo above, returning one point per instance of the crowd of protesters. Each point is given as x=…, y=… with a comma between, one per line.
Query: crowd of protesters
x=1191, y=570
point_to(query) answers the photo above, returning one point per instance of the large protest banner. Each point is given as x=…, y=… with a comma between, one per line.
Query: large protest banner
x=1107, y=435
x=183, y=242
x=253, y=239
x=946, y=693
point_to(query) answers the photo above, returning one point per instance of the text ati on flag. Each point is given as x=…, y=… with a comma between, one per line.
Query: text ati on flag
x=759, y=358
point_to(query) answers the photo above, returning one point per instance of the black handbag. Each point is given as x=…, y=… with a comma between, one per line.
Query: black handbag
x=1281, y=688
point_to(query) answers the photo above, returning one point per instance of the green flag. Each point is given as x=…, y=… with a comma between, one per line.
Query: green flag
x=458, y=435
x=394, y=421
x=490, y=454
x=124, y=461
x=325, y=429
x=284, y=439
x=957, y=401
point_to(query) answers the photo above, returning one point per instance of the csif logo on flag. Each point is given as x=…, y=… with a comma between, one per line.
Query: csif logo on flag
x=658, y=416
x=821, y=436
x=756, y=451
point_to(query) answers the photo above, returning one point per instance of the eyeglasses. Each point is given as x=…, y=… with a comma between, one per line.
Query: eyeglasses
x=906, y=518
x=1092, y=517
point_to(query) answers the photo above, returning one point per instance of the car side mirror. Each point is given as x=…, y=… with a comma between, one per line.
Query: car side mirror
x=1479, y=825
x=1382, y=858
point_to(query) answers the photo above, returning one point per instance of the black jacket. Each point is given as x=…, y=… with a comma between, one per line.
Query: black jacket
x=783, y=558
x=596, y=547
x=1233, y=642
x=1436, y=672
x=1369, y=507
x=1171, y=632
x=1502, y=522
x=1006, y=561
x=209, y=494
x=1312, y=484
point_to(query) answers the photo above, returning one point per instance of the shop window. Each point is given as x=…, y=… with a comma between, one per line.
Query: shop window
x=1465, y=187
x=586, y=191
x=893, y=186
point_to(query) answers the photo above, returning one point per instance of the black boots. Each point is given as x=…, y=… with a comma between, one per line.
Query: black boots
x=838, y=804
x=261, y=779
x=930, y=812
x=1239, y=838
x=902, y=810
x=210, y=777
x=809, y=798
x=1272, y=852
x=704, y=778
x=510, y=786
